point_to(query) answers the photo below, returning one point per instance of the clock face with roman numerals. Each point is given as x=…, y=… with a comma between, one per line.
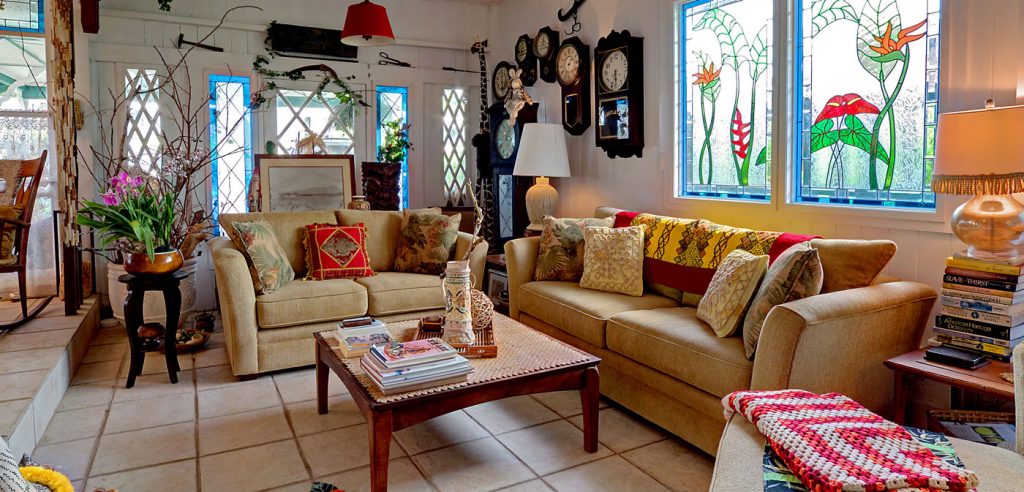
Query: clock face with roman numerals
x=568, y=64
x=614, y=71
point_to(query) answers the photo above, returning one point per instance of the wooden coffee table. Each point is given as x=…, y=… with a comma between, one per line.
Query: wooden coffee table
x=523, y=349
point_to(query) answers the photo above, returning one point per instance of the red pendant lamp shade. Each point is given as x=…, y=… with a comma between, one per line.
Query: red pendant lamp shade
x=367, y=24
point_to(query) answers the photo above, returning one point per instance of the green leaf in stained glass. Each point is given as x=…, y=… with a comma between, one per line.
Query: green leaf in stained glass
x=762, y=157
x=822, y=135
x=857, y=135
x=730, y=35
x=875, y=18
x=759, y=53
x=825, y=12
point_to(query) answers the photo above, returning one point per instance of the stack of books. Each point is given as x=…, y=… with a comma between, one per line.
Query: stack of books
x=982, y=306
x=355, y=336
x=409, y=366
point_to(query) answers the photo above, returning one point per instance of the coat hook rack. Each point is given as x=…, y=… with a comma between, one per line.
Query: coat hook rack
x=574, y=13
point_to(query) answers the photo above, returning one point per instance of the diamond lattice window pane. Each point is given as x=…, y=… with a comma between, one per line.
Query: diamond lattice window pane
x=453, y=112
x=232, y=149
x=304, y=114
x=142, y=130
x=393, y=105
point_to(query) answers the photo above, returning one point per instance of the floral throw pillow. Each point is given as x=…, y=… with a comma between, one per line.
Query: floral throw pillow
x=728, y=296
x=334, y=251
x=796, y=274
x=268, y=263
x=562, y=248
x=426, y=242
x=613, y=260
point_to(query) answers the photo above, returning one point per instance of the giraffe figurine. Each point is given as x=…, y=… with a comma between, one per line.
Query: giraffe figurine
x=481, y=143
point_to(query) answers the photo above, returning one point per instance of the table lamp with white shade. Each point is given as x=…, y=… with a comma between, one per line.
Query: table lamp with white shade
x=981, y=153
x=542, y=154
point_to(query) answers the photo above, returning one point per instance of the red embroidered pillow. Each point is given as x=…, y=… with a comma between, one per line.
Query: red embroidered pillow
x=334, y=251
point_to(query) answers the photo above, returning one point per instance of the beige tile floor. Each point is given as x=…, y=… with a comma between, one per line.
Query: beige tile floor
x=211, y=432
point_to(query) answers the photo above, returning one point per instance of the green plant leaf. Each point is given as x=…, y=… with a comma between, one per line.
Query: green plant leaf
x=711, y=90
x=874, y=19
x=759, y=53
x=825, y=12
x=891, y=57
x=729, y=33
x=857, y=135
x=823, y=136
x=762, y=157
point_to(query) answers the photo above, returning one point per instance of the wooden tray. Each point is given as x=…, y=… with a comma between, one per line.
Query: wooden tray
x=483, y=348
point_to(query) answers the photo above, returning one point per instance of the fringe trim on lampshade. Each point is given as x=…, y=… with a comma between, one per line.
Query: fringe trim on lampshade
x=985, y=184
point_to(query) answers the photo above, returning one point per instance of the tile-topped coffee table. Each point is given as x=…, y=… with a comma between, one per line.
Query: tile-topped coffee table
x=528, y=362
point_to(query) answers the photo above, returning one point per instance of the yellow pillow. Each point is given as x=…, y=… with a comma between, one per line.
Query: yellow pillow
x=8, y=233
x=613, y=260
x=731, y=290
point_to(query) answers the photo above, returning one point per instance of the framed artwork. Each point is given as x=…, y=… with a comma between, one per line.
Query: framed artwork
x=497, y=286
x=305, y=182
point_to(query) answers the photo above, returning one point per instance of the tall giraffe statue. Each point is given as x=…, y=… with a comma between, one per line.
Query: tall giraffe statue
x=481, y=142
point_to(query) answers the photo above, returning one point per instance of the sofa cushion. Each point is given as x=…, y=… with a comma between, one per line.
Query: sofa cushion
x=675, y=342
x=268, y=262
x=560, y=256
x=850, y=263
x=289, y=228
x=426, y=242
x=382, y=230
x=578, y=311
x=613, y=260
x=303, y=302
x=395, y=293
x=336, y=251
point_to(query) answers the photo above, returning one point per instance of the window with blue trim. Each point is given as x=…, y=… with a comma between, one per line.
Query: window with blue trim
x=22, y=16
x=725, y=98
x=393, y=105
x=231, y=145
x=869, y=86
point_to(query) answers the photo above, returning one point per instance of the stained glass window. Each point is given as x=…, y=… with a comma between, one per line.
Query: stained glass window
x=453, y=149
x=868, y=74
x=725, y=92
x=21, y=15
x=393, y=105
x=230, y=142
x=141, y=86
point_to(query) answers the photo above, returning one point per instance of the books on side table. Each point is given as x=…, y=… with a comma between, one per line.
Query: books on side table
x=356, y=335
x=419, y=364
x=982, y=306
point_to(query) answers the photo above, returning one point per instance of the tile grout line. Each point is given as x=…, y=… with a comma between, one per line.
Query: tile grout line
x=506, y=448
x=106, y=416
x=195, y=417
x=291, y=427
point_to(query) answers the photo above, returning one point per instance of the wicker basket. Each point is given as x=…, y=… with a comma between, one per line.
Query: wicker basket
x=967, y=416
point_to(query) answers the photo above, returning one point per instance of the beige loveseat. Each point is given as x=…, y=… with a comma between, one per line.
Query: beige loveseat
x=662, y=362
x=269, y=332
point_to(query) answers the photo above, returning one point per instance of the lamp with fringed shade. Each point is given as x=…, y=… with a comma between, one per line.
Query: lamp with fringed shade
x=367, y=24
x=981, y=153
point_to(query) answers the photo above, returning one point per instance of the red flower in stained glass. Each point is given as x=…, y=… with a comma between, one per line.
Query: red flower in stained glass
x=839, y=106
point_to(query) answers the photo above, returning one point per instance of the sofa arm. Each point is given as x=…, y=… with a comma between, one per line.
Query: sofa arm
x=477, y=259
x=237, y=298
x=839, y=341
x=520, y=262
x=1018, y=389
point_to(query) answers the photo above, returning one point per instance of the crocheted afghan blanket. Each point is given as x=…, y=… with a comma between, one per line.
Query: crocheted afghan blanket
x=832, y=443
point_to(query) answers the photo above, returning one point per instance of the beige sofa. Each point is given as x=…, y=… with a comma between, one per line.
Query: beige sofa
x=270, y=332
x=662, y=362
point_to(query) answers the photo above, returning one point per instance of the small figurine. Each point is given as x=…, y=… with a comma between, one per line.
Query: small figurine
x=517, y=95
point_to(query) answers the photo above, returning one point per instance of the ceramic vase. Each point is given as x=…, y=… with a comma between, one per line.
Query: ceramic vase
x=358, y=203
x=458, y=316
x=163, y=263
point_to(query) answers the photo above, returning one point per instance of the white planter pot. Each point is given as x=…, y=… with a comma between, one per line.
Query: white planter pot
x=153, y=305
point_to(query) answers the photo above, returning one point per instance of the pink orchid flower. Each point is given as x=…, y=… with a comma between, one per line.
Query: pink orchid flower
x=110, y=198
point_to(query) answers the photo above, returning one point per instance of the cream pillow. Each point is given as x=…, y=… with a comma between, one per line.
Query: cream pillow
x=731, y=289
x=613, y=260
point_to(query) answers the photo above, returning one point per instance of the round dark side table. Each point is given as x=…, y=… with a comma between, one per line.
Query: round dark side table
x=138, y=285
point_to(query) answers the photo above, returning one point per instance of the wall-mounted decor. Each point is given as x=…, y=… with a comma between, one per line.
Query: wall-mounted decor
x=305, y=182
x=308, y=42
x=526, y=60
x=517, y=94
x=545, y=45
x=619, y=59
x=572, y=67
x=574, y=12
x=501, y=80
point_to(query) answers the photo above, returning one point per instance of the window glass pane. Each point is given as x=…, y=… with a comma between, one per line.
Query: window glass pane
x=23, y=74
x=21, y=15
x=725, y=98
x=230, y=130
x=393, y=105
x=868, y=74
x=453, y=144
x=143, y=126
x=310, y=118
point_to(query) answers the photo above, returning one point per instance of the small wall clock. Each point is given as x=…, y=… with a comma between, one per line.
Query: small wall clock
x=619, y=59
x=526, y=60
x=572, y=69
x=545, y=46
x=501, y=81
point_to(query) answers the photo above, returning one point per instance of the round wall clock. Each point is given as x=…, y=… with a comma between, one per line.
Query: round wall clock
x=501, y=81
x=614, y=70
x=522, y=49
x=526, y=60
x=542, y=44
x=506, y=139
x=568, y=64
x=545, y=44
x=572, y=69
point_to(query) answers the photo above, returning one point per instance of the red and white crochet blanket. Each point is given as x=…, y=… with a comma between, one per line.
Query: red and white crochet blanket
x=832, y=443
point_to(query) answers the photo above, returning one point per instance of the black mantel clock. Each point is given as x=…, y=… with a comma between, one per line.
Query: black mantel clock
x=619, y=88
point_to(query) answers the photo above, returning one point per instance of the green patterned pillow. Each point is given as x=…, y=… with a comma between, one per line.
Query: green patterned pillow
x=268, y=263
x=796, y=274
x=426, y=242
x=561, y=248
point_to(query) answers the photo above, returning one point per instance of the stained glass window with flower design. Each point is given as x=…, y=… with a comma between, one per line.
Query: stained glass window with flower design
x=868, y=74
x=725, y=91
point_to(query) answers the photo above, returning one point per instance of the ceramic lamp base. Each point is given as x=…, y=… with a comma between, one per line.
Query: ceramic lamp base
x=541, y=199
x=991, y=226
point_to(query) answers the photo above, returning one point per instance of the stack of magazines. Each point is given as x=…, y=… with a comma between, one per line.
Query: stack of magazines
x=355, y=336
x=402, y=367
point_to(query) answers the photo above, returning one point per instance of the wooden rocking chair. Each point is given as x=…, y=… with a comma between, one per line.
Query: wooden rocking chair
x=15, y=221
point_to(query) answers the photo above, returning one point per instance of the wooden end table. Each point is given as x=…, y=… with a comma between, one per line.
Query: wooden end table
x=984, y=380
x=138, y=285
x=387, y=418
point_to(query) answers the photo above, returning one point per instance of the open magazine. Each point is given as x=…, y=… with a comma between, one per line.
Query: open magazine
x=999, y=434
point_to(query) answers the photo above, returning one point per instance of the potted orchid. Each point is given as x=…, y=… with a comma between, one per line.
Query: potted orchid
x=139, y=216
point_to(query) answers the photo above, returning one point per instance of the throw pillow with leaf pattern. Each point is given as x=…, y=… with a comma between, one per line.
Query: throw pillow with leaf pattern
x=268, y=263
x=426, y=242
x=562, y=246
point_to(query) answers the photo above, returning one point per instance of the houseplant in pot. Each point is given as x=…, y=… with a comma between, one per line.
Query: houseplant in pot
x=381, y=179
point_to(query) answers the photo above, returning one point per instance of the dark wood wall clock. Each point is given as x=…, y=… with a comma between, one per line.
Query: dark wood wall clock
x=572, y=68
x=501, y=81
x=509, y=206
x=545, y=46
x=619, y=60
x=526, y=60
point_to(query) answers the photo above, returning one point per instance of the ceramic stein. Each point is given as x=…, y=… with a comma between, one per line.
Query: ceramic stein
x=458, y=316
